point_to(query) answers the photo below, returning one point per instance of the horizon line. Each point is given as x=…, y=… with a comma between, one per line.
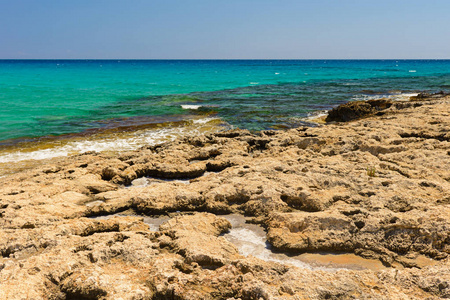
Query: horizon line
x=224, y=59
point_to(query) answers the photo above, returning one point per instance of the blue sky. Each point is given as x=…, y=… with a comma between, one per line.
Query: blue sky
x=225, y=29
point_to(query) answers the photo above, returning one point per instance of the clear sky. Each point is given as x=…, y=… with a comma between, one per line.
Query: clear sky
x=225, y=29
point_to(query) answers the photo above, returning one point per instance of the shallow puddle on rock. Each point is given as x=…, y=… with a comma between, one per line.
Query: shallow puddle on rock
x=346, y=260
x=154, y=222
x=140, y=182
x=146, y=181
x=250, y=239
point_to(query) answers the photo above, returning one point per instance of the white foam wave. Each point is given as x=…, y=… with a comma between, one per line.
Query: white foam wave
x=130, y=142
x=404, y=96
x=316, y=115
x=394, y=97
x=412, y=71
x=190, y=106
x=36, y=155
x=203, y=121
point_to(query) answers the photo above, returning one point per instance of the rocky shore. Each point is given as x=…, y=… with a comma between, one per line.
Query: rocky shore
x=376, y=187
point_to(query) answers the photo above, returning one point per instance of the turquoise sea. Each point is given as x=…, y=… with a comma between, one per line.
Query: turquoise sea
x=60, y=98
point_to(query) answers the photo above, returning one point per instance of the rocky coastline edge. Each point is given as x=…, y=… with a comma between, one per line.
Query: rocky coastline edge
x=374, y=183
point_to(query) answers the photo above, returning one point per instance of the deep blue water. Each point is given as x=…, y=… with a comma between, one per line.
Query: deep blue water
x=54, y=97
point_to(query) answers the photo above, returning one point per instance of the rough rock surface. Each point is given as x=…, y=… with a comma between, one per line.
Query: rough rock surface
x=377, y=187
x=357, y=109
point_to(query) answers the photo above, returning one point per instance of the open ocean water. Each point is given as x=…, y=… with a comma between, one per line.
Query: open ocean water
x=58, y=107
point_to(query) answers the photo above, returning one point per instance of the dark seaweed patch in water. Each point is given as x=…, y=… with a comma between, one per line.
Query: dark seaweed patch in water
x=284, y=105
x=255, y=107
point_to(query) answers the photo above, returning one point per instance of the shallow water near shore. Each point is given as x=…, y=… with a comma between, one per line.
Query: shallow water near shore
x=28, y=154
x=57, y=108
x=51, y=98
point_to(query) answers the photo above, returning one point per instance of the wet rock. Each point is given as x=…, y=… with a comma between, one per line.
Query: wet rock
x=357, y=109
x=427, y=96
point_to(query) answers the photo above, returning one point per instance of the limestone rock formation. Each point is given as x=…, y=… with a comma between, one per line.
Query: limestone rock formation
x=378, y=188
